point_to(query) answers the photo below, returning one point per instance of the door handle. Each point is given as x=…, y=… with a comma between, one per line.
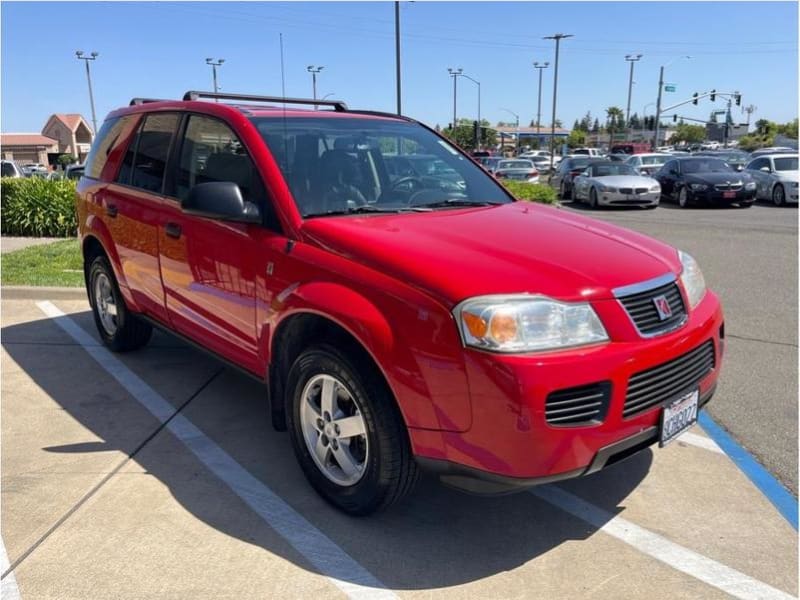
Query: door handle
x=173, y=230
x=111, y=210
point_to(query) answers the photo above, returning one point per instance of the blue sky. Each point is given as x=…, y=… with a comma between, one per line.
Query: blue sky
x=158, y=49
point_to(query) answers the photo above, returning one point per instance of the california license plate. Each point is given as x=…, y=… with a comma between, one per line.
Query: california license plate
x=729, y=194
x=678, y=416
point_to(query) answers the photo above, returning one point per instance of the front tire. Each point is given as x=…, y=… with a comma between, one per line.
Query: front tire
x=778, y=195
x=119, y=328
x=683, y=198
x=593, y=203
x=347, y=432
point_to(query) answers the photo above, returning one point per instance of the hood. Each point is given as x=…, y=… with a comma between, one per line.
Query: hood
x=717, y=178
x=626, y=181
x=454, y=254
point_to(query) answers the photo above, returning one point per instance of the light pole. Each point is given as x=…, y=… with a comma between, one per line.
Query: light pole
x=397, y=50
x=658, y=101
x=557, y=37
x=631, y=58
x=480, y=129
x=92, y=56
x=539, y=67
x=314, y=70
x=214, y=65
x=454, y=73
x=516, y=116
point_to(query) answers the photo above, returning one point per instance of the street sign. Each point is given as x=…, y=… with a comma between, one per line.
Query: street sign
x=669, y=87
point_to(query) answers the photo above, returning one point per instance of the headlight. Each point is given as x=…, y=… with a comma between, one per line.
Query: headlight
x=698, y=187
x=527, y=323
x=655, y=188
x=606, y=188
x=750, y=185
x=692, y=279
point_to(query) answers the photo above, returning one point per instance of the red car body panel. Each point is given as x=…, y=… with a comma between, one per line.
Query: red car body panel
x=391, y=281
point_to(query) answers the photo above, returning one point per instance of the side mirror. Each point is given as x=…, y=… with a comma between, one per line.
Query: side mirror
x=585, y=174
x=673, y=171
x=220, y=200
x=766, y=169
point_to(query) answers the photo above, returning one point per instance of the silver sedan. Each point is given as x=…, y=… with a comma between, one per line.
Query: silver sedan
x=615, y=184
x=776, y=177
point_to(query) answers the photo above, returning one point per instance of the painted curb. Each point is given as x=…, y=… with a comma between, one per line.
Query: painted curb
x=24, y=292
x=780, y=497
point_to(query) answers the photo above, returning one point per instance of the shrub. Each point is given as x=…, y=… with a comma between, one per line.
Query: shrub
x=532, y=192
x=38, y=207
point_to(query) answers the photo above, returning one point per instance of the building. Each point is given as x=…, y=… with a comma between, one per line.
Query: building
x=27, y=148
x=527, y=135
x=715, y=132
x=62, y=134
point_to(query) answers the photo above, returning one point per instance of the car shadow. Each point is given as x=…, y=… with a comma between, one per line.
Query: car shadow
x=436, y=538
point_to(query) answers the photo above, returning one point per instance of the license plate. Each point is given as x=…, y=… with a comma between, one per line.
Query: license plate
x=729, y=194
x=678, y=416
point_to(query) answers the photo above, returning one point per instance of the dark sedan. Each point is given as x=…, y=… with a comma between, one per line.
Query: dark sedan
x=694, y=180
x=567, y=170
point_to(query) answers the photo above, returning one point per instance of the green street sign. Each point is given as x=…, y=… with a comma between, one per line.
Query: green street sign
x=669, y=87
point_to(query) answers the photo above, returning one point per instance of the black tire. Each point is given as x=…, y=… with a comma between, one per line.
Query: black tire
x=778, y=195
x=390, y=471
x=562, y=193
x=593, y=199
x=131, y=332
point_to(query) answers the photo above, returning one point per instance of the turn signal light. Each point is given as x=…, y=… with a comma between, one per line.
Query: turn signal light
x=475, y=325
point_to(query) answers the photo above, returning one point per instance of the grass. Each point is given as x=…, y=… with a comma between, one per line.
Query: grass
x=56, y=264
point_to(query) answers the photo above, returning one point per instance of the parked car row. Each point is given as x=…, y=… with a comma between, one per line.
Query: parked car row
x=9, y=168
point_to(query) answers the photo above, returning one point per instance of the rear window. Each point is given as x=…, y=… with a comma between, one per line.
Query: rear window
x=515, y=164
x=103, y=144
x=335, y=165
x=788, y=163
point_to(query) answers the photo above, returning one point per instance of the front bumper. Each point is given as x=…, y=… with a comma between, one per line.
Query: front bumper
x=718, y=197
x=510, y=436
x=619, y=199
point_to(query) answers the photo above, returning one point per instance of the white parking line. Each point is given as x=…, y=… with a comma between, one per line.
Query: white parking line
x=700, y=441
x=325, y=555
x=8, y=588
x=698, y=566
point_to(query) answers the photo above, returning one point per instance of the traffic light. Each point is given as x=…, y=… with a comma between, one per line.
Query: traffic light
x=713, y=95
x=674, y=118
x=738, y=99
x=695, y=98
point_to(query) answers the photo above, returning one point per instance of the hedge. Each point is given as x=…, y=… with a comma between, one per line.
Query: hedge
x=38, y=207
x=532, y=192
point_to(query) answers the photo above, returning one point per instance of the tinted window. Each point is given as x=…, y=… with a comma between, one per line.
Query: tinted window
x=788, y=163
x=8, y=170
x=705, y=165
x=103, y=144
x=125, y=169
x=612, y=169
x=335, y=165
x=758, y=163
x=152, y=151
x=515, y=164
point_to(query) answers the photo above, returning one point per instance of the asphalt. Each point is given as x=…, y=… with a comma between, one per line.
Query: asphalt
x=155, y=474
x=749, y=258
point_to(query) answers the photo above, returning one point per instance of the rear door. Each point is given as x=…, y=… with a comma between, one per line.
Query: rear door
x=211, y=268
x=133, y=204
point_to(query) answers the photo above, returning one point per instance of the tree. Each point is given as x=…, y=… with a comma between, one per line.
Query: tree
x=596, y=126
x=615, y=120
x=67, y=159
x=576, y=138
x=635, y=122
x=689, y=134
x=464, y=134
x=586, y=122
x=558, y=124
x=789, y=129
x=576, y=125
x=766, y=128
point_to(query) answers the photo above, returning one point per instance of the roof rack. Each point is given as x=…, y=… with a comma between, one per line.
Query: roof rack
x=137, y=101
x=337, y=105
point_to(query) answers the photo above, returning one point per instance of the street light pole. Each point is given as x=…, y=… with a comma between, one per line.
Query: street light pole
x=539, y=67
x=314, y=70
x=631, y=58
x=557, y=37
x=214, y=65
x=397, y=50
x=454, y=73
x=478, y=83
x=658, y=102
x=92, y=56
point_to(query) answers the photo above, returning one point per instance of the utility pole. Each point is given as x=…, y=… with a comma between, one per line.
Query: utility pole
x=397, y=50
x=314, y=70
x=557, y=37
x=92, y=56
x=658, y=102
x=454, y=73
x=539, y=67
x=750, y=109
x=478, y=83
x=214, y=65
x=631, y=58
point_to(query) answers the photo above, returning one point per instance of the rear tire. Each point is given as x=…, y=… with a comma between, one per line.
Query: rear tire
x=119, y=328
x=361, y=473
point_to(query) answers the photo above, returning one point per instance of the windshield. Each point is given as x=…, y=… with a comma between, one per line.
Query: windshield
x=515, y=164
x=654, y=160
x=705, y=165
x=344, y=165
x=788, y=163
x=612, y=169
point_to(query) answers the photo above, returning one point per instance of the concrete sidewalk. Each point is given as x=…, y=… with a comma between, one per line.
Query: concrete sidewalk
x=12, y=243
x=101, y=499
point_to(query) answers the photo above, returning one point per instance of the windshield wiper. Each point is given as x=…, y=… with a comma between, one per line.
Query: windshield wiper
x=458, y=202
x=367, y=208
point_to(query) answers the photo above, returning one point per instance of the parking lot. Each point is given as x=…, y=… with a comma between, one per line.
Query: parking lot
x=156, y=474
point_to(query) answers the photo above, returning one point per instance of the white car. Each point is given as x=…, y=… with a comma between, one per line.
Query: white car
x=647, y=164
x=776, y=177
x=10, y=169
x=592, y=152
x=615, y=184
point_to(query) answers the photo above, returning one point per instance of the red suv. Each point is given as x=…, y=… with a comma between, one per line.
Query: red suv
x=398, y=321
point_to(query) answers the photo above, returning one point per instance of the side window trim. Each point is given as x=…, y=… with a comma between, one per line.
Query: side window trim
x=134, y=146
x=174, y=158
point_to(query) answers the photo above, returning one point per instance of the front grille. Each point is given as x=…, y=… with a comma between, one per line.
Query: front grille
x=724, y=187
x=660, y=384
x=642, y=309
x=625, y=190
x=584, y=405
x=641, y=190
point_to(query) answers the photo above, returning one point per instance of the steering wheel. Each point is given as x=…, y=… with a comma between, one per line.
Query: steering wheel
x=416, y=184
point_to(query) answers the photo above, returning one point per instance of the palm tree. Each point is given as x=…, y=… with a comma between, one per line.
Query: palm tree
x=615, y=118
